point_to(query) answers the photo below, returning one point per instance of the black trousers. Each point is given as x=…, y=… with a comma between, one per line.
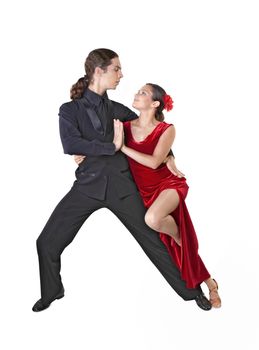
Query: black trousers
x=70, y=214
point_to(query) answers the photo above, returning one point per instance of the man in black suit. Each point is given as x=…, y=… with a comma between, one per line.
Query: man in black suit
x=103, y=180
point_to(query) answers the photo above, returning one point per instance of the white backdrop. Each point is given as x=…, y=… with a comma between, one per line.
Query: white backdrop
x=205, y=54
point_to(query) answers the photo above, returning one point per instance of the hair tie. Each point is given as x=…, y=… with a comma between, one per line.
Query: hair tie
x=168, y=102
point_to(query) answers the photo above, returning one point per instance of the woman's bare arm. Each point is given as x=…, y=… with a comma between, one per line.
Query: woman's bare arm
x=160, y=153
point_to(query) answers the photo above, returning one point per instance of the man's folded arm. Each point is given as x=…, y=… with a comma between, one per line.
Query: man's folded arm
x=72, y=140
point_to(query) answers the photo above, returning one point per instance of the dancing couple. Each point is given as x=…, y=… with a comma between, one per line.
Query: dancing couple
x=126, y=168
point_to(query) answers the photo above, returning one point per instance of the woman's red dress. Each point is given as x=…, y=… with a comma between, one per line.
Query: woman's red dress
x=150, y=183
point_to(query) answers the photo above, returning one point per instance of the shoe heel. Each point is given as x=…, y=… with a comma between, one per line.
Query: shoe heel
x=60, y=296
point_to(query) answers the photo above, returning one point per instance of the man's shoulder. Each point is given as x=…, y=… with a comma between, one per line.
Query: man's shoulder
x=69, y=108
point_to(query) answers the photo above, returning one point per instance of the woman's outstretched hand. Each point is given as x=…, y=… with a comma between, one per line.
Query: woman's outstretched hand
x=170, y=163
x=118, y=139
x=78, y=159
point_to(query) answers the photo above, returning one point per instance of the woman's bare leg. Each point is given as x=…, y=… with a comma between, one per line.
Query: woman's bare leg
x=158, y=215
x=159, y=219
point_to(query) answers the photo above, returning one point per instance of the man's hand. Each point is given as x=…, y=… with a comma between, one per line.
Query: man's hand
x=118, y=134
x=170, y=163
x=78, y=159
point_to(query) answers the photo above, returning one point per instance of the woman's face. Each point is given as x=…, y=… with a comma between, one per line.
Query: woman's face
x=143, y=98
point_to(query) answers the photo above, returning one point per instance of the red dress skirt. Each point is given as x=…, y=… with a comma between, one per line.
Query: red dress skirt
x=150, y=183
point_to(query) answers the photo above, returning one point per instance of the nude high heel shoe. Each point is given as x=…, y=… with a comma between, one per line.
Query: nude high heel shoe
x=214, y=296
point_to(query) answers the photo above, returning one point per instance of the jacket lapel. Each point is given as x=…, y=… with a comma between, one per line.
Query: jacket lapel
x=94, y=118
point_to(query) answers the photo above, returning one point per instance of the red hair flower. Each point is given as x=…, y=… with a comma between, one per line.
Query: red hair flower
x=168, y=102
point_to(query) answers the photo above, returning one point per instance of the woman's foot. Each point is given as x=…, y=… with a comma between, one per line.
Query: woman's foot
x=176, y=236
x=214, y=295
x=177, y=239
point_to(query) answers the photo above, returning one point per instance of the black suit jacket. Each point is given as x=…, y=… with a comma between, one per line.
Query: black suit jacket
x=82, y=132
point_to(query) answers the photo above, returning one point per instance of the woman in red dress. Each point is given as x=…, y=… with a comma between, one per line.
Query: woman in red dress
x=148, y=140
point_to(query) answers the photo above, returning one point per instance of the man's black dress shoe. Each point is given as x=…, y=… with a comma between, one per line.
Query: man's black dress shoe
x=203, y=302
x=40, y=306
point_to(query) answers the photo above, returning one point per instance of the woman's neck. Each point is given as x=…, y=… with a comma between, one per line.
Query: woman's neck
x=147, y=119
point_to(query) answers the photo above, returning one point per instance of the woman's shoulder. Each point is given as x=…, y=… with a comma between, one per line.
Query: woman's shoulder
x=164, y=125
x=126, y=126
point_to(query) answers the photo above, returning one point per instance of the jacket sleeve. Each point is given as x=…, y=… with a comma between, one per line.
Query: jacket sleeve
x=122, y=112
x=71, y=138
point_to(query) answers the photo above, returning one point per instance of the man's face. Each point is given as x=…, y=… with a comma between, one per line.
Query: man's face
x=113, y=74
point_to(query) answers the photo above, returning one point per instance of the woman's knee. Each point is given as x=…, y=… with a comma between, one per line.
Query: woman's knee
x=152, y=220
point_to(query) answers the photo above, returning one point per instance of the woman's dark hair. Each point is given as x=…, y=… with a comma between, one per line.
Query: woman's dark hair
x=96, y=58
x=158, y=94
